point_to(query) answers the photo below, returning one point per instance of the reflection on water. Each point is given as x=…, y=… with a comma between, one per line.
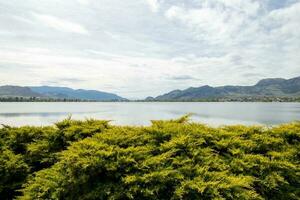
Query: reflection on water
x=41, y=114
x=140, y=113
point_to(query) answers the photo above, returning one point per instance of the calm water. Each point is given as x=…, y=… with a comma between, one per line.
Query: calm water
x=141, y=113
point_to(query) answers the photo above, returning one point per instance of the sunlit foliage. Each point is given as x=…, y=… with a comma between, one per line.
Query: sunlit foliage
x=174, y=159
x=26, y=150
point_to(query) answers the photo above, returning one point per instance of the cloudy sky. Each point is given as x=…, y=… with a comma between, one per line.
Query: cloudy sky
x=138, y=48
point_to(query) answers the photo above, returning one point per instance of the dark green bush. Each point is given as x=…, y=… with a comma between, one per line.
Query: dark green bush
x=26, y=150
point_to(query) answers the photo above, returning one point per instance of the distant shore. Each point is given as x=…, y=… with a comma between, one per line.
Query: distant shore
x=224, y=99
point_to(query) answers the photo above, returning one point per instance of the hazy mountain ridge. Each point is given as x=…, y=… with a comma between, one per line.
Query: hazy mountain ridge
x=64, y=92
x=273, y=87
x=17, y=91
x=57, y=93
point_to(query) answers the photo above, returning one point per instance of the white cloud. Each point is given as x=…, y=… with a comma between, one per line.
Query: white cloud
x=248, y=7
x=154, y=5
x=60, y=24
x=84, y=2
x=231, y=23
x=286, y=21
x=215, y=21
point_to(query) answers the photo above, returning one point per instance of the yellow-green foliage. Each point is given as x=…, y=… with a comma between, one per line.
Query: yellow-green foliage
x=174, y=159
x=26, y=150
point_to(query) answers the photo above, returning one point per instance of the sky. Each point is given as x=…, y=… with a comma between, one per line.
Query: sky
x=140, y=48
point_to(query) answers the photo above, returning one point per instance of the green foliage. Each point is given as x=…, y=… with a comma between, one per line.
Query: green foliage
x=26, y=150
x=13, y=170
x=174, y=159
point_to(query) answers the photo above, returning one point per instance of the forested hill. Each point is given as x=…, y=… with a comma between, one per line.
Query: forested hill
x=273, y=87
x=17, y=91
x=56, y=93
x=64, y=92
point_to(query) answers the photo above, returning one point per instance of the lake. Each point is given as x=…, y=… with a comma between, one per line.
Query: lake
x=140, y=113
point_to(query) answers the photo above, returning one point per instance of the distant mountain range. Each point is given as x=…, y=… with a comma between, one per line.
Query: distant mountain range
x=265, y=89
x=272, y=87
x=57, y=93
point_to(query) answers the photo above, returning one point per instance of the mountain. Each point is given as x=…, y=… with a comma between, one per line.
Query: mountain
x=64, y=92
x=57, y=93
x=17, y=91
x=272, y=87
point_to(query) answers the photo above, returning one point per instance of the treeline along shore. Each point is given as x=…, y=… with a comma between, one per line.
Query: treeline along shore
x=225, y=99
x=38, y=99
x=174, y=159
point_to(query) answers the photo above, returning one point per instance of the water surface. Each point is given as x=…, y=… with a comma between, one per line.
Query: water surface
x=140, y=113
